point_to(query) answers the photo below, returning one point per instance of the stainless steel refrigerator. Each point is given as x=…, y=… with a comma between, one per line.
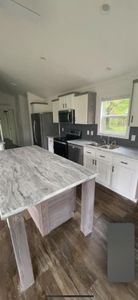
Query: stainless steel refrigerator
x=42, y=127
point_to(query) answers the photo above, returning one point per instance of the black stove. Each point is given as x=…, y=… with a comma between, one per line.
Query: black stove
x=61, y=145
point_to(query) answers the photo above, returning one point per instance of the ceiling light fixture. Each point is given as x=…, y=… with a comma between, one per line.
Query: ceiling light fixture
x=105, y=8
x=42, y=57
x=108, y=68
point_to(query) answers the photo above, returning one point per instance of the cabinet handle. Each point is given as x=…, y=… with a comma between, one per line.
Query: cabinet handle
x=88, y=152
x=95, y=162
x=102, y=156
x=123, y=162
x=132, y=118
x=63, y=105
x=113, y=168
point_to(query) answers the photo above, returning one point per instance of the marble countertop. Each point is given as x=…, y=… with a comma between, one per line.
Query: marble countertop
x=129, y=152
x=30, y=175
x=126, y=151
x=80, y=142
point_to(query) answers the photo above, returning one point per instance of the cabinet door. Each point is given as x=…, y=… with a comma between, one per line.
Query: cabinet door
x=124, y=181
x=104, y=169
x=89, y=161
x=62, y=103
x=55, y=107
x=81, y=109
x=134, y=110
x=69, y=101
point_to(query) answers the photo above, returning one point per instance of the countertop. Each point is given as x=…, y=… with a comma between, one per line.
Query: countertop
x=30, y=175
x=126, y=151
x=80, y=142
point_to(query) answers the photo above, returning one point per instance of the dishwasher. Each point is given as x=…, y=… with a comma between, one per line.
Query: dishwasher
x=75, y=153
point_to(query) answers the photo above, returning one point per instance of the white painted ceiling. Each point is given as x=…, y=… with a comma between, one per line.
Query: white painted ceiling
x=78, y=41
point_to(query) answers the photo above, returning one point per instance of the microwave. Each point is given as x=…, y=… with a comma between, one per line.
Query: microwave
x=67, y=116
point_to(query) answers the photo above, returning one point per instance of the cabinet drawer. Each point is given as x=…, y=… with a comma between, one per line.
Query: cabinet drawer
x=89, y=151
x=103, y=155
x=125, y=162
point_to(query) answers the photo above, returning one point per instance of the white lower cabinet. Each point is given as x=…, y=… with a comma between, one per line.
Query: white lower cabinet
x=104, y=170
x=104, y=167
x=117, y=172
x=125, y=177
x=89, y=160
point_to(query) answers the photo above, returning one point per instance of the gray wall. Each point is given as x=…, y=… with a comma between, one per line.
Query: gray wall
x=95, y=137
x=23, y=120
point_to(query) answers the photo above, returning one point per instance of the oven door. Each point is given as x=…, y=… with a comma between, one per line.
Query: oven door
x=61, y=148
x=67, y=116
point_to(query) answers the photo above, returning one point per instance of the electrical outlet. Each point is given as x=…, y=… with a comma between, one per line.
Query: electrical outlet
x=88, y=132
x=62, y=129
x=91, y=132
x=133, y=138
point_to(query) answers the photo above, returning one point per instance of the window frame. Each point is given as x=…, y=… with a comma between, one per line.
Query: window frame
x=129, y=114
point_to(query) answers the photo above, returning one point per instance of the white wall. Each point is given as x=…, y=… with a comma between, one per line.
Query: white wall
x=114, y=87
x=23, y=120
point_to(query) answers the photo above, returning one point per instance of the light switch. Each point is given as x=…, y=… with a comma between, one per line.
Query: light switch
x=133, y=138
x=91, y=132
x=88, y=132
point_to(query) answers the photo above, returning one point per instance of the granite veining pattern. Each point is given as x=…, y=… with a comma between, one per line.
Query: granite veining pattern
x=30, y=175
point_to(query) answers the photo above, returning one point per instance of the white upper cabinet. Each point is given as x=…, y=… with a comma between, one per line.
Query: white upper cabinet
x=55, y=109
x=85, y=106
x=66, y=102
x=134, y=108
x=39, y=107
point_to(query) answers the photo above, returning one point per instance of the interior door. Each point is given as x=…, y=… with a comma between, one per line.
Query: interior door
x=8, y=125
x=36, y=129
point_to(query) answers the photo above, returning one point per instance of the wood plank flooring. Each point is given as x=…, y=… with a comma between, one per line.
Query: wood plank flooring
x=65, y=262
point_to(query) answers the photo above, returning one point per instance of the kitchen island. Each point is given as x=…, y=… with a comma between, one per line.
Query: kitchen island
x=31, y=177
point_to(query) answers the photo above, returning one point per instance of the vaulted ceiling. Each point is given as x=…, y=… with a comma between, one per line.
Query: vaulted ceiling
x=58, y=45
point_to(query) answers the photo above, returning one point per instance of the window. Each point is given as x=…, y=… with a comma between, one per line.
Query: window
x=115, y=117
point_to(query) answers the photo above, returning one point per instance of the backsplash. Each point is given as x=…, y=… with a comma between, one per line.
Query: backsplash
x=98, y=138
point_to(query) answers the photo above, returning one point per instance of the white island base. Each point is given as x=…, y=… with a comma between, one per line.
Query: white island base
x=47, y=216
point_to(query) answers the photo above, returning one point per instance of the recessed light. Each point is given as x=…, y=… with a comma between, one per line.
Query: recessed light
x=42, y=57
x=105, y=8
x=108, y=68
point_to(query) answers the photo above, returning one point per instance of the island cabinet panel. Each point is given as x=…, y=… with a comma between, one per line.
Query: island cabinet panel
x=21, y=250
x=52, y=213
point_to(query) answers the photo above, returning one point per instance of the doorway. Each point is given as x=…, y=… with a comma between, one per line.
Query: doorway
x=7, y=118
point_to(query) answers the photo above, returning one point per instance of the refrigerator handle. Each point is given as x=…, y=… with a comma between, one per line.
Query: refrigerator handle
x=34, y=130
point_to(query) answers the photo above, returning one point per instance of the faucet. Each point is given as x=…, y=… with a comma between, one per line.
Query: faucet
x=103, y=141
x=114, y=143
x=108, y=140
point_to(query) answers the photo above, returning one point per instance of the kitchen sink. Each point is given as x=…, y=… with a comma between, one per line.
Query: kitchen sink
x=110, y=147
x=95, y=144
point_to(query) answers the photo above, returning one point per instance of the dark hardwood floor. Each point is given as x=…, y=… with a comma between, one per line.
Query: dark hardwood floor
x=65, y=262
